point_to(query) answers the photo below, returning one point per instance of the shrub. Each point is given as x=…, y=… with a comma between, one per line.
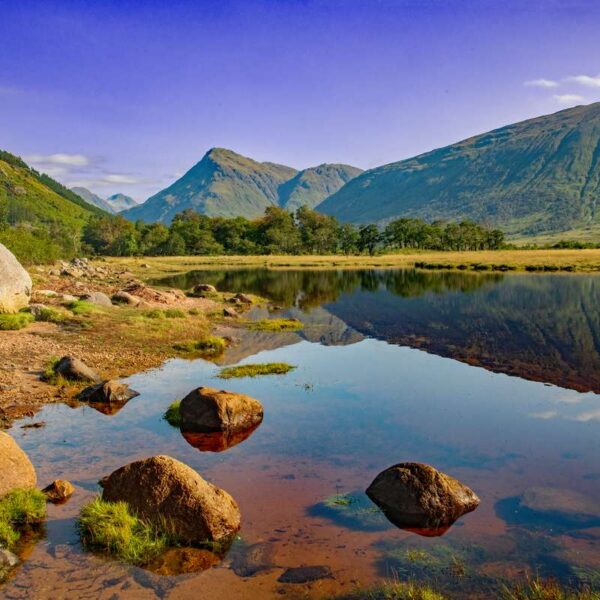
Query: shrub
x=254, y=370
x=113, y=529
x=15, y=321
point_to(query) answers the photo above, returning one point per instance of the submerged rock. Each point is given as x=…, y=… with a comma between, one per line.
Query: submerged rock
x=164, y=490
x=59, y=491
x=417, y=496
x=206, y=410
x=305, y=574
x=179, y=561
x=15, y=283
x=15, y=467
x=74, y=369
x=109, y=392
x=256, y=558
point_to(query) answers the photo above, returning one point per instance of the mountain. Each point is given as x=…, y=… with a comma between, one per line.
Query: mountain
x=40, y=219
x=93, y=199
x=120, y=202
x=536, y=176
x=226, y=184
x=311, y=186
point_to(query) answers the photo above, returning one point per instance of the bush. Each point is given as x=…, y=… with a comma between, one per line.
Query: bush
x=254, y=370
x=15, y=321
x=113, y=529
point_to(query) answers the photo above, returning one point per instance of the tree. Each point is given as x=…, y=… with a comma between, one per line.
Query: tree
x=277, y=232
x=318, y=233
x=369, y=238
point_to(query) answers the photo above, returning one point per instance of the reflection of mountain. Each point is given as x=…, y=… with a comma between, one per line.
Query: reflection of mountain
x=542, y=328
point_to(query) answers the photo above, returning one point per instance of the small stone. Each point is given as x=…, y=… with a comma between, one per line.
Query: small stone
x=244, y=298
x=59, y=491
x=230, y=312
x=74, y=369
x=8, y=558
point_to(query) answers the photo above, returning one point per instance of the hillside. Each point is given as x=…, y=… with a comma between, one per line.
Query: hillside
x=226, y=184
x=39, y=218
x=540, y=175
x=311, y=186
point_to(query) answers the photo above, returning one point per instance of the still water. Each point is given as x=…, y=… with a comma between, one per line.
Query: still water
x=490, y=378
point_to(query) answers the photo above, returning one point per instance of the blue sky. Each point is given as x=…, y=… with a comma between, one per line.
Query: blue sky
x=127, y=95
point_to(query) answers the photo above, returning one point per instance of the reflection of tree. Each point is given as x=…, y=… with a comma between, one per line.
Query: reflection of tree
x=306, y=289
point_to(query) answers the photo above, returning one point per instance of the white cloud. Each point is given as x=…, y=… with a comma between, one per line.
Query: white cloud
x=70, y=160
x=543, y=83
x=126, y=179
x=106, y=180
x=568, y=99
x=547, y=414
x=586, y=80
x=585, y=417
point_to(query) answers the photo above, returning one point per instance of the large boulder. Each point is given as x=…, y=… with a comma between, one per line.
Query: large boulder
x=204, y=288
x=97, y=298
x=15, y=283
x=207, y=409
x=73, y=369
x=15, y=466
x=163, y=490
x=417, y=496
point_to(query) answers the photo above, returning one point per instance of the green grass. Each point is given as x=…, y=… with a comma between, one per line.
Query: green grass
x=173, y=416
x=15, y=321
x=111, y=528
x=209, y=346
x=539, y=589
x=19, y=508
x=394, y=590
x=154, y=313
x=254, y=370
x=50, y=315
x=175, y=313
x=274, y=325
x=82, y=308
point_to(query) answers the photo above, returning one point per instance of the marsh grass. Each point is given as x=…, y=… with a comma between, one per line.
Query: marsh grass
x=209, y=346
x=20, y=508
x=255, y=370
x=274, y=325
x=394, y=590
x=173, y=415
x=13, y=322
x=110, y=527
x=539, y=589
x=83, y=308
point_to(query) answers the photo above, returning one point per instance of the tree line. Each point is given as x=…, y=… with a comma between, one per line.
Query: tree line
x=278, y=232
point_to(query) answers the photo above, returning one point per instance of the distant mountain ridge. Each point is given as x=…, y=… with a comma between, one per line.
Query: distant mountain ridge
x=226, y=184
x=540, y=175
x=113, y=204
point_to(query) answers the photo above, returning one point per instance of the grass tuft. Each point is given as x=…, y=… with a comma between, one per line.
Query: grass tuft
x=539, y=589
x=209, y=346
x=173, y=415
x=50, y=315
x=20, y=508
x=394, y=590
x=254, y=370
x=175, y=313
x=82, y=308
x=275, y=325
x=154, y=313
x=14, y=322
x=113, y=529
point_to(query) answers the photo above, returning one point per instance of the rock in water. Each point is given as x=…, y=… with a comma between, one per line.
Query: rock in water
x=15, y=467
x=164, y=490
x=417, y=496
x=305, y=574
x=110, y=392
x=15, y=283
x=207, y=409
x=74, y=369
x=59, y=491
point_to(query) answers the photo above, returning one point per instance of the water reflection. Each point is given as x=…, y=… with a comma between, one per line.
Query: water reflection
x=217, y=441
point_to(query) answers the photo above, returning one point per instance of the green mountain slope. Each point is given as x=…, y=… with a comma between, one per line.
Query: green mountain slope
x=541, y=175
x=223, y=184
x=40, y=219
x=93, y=199
x=311, y=186
x=226, y=184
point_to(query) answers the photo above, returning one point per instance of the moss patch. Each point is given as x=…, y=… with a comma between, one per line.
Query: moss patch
x=110, y=527
x=173, y=416
x=275, y=325
x=15, y=321
x=254, y=370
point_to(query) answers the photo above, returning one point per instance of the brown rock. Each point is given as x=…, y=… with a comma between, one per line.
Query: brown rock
x=417, y=496
x=74, y=369
x=229, y=312
x=110, y=392
x=123, y=297
x=15, y=466
x=204, y=288
x=243, y=298
x=207, y=409
x=179, y=561
x=59, y=491
x=162, y=489
x=97, y=298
